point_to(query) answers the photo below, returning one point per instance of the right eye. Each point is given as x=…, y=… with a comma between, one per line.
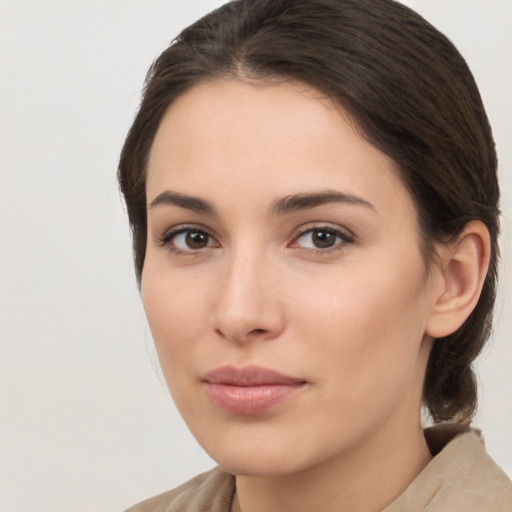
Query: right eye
x=188, y=240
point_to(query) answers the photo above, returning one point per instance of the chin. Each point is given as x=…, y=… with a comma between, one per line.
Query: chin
x=259, y=452
x=251, y=457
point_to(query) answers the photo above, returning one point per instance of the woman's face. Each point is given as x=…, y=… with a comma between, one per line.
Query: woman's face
x=283, y=282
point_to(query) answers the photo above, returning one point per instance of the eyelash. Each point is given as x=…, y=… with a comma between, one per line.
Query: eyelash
x=168, y=237
x=344, y=237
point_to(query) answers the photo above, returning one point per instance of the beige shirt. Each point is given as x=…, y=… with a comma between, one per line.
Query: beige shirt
x=460, y=478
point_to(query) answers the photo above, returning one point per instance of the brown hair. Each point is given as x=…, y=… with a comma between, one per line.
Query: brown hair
x=410, y=93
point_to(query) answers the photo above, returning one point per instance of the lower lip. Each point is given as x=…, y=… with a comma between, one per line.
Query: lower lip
x=248, y=400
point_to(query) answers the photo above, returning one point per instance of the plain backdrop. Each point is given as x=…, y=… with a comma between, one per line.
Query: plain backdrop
x=86, y=423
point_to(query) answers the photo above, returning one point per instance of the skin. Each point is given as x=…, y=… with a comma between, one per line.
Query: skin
x=351, y=320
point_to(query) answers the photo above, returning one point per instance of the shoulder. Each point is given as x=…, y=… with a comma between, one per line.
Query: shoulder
x=461, y=476
x=214, y=489
x=472, y=475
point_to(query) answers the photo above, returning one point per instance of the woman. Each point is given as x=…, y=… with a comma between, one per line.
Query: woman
x=312, y=191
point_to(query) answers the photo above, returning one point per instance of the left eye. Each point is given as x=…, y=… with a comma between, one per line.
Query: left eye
x=191, y=240
x=320, y=238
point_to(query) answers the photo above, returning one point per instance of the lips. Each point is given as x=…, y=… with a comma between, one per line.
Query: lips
x=249, y=390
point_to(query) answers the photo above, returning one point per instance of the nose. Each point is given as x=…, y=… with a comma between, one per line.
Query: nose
x=248, y=306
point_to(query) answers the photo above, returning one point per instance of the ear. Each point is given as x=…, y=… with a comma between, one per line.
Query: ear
x=463, y=266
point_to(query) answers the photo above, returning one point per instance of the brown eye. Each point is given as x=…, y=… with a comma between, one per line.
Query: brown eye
x=196, y=239
x=189, y=240
x=322, y=239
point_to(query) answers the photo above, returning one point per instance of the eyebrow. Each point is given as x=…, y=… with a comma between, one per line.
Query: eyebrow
x=195, y=204
x=282, y=206
x=295, y=202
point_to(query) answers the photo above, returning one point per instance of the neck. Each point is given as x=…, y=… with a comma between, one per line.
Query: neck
x=364, y=479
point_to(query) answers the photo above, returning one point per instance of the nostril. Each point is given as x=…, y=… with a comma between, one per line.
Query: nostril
x=256, y=333
x=220, y=333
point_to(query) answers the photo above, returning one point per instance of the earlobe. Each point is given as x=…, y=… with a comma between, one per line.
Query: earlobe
x=463, y=267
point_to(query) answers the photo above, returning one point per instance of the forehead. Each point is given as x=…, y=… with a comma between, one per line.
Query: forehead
x=229, y=138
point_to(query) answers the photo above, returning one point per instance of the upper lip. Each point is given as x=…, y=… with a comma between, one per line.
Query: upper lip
x=249, y=376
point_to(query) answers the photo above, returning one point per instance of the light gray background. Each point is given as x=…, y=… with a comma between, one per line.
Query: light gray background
x=86, y=423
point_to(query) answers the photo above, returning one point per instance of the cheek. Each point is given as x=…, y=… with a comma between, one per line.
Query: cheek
x=176, y=317
x=366, y=326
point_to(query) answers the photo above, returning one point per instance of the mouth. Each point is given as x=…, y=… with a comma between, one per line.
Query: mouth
x=249, y=390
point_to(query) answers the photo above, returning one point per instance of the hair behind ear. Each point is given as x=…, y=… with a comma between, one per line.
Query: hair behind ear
x=464, y=266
